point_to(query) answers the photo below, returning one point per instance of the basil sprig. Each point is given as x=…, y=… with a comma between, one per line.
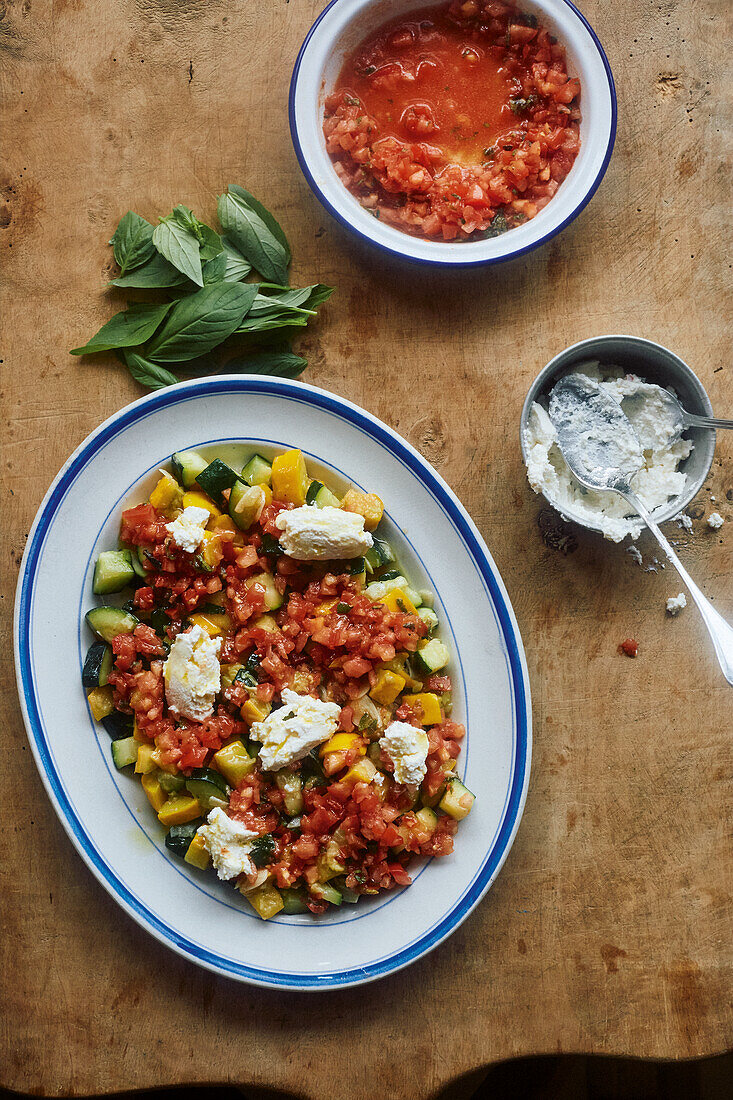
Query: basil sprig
x=209, y=303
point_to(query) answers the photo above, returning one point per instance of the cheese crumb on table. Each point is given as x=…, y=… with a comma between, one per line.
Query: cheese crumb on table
x=192, y=675
x=676, y=603
x=299, y=725
x=407, y=747
x=187, y=531
x=311, y=533
x=715, y=520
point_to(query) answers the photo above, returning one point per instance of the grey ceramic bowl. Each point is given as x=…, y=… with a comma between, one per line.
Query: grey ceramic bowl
x=653, y=363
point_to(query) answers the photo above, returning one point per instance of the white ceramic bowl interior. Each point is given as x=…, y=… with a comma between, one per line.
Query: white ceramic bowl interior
x=654, y=363
x=105, y=812
x=340, y=28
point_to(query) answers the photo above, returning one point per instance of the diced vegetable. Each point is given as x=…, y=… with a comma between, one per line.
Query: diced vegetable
x=387, y=686
x=197, y=854
x=323, y=891
x=193, y=499
x=267, y=622
x=363, y=771
x=428, y=615
x=290, y=478
x=377, y=590
x=187, y=465
x=379, y=555
x=167, y=496
x=432, y=656
x=97, y=665
x=398, y=600
x=156, y=796
x=291, y=786
x=100, y=702
x=245, y=504
x=179, y=809
x=457, y=800
x=293, y=902
x=108, y=622
x=322, y=497
x=340, y=742
x=118, y=725
x=216, y=478
x=145, y=763
x=234, y=762
x=427, y=707
x=258, y=471
x=209, y=788
x=273, y=597
x=113, y=572
x=265, y=900
x=180, y=837
x=367, y=505
x=427, y=818
x=211, y=623
x=262, y=850
x=124, y=752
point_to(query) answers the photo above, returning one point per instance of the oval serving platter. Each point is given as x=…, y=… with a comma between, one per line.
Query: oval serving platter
x=105, y=812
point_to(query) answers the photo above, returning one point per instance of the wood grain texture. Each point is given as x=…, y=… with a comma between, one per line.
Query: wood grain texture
x=609, y=929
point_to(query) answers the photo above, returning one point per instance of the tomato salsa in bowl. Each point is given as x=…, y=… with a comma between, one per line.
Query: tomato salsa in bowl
x=453, y=133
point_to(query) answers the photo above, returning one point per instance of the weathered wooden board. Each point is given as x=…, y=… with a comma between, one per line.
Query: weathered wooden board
x=609, y=929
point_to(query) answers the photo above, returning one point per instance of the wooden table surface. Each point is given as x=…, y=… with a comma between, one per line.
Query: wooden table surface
x=609, y=929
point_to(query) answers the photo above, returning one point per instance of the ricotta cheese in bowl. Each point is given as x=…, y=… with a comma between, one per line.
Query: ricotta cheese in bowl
x=659, y=481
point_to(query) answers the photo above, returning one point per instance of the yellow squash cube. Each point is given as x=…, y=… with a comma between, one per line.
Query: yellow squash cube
x=341, y=742
x=290, y=477
x=266, y=900
x=255, y=711
x=367, y=505
x=396, y=600
x=363, y=771
x=145, y=763
x=200, y=500
x=387, y=686
x=427, y=707
x=157, y=797
x=197, y=854
x=234, y=762
x=167, y=496
x=100, y=702
x=179, y=810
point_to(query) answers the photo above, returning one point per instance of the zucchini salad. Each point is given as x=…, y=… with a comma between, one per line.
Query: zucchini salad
x=277, y=683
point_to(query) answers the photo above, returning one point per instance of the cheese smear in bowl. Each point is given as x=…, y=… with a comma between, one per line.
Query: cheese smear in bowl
x=657, y=482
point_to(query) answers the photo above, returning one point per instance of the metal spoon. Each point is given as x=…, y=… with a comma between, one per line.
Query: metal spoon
x=678, y=418
x=603, y=451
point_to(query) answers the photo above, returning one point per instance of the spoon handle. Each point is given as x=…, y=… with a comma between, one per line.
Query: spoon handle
x=719, y=630
x=692, y=420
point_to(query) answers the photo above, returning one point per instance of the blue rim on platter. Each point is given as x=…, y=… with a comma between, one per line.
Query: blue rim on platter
x=464, y=526
x=449, y=264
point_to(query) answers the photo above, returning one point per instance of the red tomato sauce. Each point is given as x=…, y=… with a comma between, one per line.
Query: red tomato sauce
x=457, y=122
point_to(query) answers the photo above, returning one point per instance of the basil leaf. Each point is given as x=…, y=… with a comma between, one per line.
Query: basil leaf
x=237, y=266
x=319, y=293
x=253, y=239
x=157, y=273
x=275, y=319
x=282, y=362
x=214, y=270
x=132, y=241
x=202, y=320
x=187, y=220
x=126, y=329
x=211, y=244
x=270, y=221
x=146, y=373
x=180, y=247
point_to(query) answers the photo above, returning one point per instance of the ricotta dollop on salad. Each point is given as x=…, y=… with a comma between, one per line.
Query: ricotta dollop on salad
x=658, y=482
x=276, y=683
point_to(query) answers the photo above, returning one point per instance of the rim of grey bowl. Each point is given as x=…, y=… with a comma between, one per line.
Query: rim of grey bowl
x=603, y=347
x=487, y=261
